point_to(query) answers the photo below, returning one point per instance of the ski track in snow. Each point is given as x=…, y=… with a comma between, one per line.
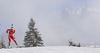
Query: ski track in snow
x=52, y=49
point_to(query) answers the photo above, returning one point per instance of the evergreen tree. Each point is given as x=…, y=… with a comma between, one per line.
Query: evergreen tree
x=32, y=38
x=79, y=45
x=71, y=43
x=2, y=43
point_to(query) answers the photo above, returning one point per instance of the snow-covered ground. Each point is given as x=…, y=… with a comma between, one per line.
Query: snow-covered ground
x=52, y=49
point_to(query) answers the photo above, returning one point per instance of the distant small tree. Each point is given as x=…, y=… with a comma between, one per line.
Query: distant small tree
x=32, y=38
x=71, y=43
x=79, y=45
x=2, y=43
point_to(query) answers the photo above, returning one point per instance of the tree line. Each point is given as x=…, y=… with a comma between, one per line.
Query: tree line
x=33, y=37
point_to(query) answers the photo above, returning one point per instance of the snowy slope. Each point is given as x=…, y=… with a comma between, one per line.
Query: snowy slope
x=54, y=49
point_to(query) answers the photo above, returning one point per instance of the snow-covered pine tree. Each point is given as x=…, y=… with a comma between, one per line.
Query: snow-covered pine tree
x=2, y=43
x=32, y=38
x=71, y=43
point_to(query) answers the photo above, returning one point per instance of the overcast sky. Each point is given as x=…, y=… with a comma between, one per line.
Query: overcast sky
x=57, y=20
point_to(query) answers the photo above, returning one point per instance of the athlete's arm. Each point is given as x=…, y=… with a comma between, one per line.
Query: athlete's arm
x=14, y=31
x=7, y=30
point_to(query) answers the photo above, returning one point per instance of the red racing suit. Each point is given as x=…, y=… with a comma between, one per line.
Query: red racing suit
x=11, y=32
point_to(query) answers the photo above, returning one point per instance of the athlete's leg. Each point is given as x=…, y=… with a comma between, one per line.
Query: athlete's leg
x=9, y=40
x=14, y=40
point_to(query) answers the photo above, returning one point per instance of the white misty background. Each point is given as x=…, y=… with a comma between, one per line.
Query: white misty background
x=57, y=20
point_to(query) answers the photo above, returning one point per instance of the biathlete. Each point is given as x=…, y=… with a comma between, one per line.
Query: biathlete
x=10, y=36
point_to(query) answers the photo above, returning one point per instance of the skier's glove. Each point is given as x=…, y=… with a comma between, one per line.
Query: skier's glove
x=6, y=31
